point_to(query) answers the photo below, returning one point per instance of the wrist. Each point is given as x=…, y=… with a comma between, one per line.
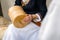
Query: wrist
x=37, y=18
x=34, y=16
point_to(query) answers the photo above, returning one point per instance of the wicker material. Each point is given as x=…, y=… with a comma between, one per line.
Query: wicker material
x=16, y=15
x=4, y=22
x=3, y=26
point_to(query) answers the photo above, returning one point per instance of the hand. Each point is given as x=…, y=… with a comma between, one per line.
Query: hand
x=34, y=16
x=27, y=19
x=37, y=22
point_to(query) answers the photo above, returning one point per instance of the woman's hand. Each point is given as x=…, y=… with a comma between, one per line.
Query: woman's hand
x=34, y=16
x=27, y=19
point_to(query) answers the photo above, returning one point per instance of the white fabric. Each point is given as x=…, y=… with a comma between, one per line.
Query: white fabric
x=26, y=1
x=30, y=32
x=50, y=28
x=38, y=19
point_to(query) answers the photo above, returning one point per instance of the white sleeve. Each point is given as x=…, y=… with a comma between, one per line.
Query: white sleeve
x=37, y=19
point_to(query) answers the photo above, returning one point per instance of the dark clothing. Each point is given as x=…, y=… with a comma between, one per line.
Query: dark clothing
x=34, y=6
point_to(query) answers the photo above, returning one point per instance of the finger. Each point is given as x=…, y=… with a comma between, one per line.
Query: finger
x=30, y=17
x=27, y=18
x=24, y=20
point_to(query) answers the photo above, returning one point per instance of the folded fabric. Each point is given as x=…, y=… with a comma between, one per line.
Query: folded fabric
x=30, y=32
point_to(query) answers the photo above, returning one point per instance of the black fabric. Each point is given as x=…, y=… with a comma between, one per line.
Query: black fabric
x=34, y=6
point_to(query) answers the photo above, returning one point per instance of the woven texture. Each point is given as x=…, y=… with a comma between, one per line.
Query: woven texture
x=3, y=26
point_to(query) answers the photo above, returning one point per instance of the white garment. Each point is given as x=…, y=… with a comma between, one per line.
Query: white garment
x=38, y=19
x=30, y=32
x=50, y=29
